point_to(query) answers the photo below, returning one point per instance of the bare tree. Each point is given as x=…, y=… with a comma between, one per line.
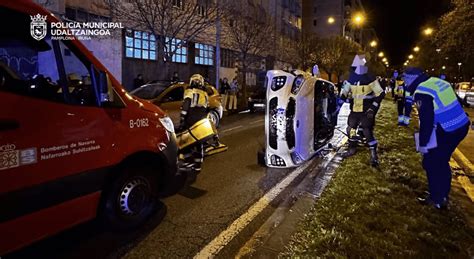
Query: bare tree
x=167, y=20
x=250, y=33
x=334, y=54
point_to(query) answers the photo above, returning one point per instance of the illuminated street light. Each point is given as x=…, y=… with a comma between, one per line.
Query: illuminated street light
x=444, y=67
x=410, y=57
x=331, y=20
x=416, y=49
x=428, y=31
x=358, y=19
x=373, y=44
x=438, y=50
x=384, y=59
x=381, y=54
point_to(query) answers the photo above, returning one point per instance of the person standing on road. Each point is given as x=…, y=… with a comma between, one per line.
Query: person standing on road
x=443, y=125
x=195, y=108
x=367, y=95
x=234, y=89
x=225, y=88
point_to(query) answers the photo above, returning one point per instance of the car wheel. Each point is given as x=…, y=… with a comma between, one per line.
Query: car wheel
x=214, y=117
x=131, y=199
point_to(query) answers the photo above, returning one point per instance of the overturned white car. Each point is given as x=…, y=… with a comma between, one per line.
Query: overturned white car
x=301, y=114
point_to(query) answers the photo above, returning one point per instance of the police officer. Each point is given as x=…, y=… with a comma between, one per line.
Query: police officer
x=443, y=125
x=194, y=109
x=366, y=94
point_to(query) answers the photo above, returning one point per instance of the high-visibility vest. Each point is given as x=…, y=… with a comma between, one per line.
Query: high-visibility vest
x=199, y=98
x=448, y=111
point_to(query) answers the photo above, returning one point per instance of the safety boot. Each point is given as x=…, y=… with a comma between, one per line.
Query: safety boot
x=351, y=150
x=374, y=159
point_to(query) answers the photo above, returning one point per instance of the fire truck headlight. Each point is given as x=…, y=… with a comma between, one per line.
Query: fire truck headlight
x=167, y=123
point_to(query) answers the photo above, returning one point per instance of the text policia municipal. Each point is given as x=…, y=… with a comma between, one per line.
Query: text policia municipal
x=83, y=28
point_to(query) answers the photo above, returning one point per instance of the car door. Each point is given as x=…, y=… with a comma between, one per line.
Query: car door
x=171, y=101
x=51, y=126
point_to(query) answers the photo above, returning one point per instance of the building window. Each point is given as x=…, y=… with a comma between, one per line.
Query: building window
x=204, y=54
x=177, y=3
x=315, y=22
x=140, y=44
x=202, y=7
x=177, y=50
x=227, y=59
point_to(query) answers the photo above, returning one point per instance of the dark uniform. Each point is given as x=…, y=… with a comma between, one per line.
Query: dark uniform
x=366, y=95
x=443, y=125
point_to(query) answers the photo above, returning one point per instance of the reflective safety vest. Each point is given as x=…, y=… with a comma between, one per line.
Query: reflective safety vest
x=448, y=111
x=199, y=98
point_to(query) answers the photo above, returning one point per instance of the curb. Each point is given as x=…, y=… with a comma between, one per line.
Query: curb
x=462, y=160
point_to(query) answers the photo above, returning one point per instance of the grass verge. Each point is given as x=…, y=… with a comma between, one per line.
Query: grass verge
x=366, y=212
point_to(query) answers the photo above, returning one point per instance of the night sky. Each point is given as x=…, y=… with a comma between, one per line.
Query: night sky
x=398, y=23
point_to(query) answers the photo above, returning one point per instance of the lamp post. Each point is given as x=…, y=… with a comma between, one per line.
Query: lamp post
x=459, y=69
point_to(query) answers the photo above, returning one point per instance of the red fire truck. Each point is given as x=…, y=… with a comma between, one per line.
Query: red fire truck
x=74, y=144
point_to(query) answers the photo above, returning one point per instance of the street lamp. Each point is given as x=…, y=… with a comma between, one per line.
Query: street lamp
x=384, y=59
x=428, y=31
x=459, y=69
x=358, y=19
x=373, y=44
x=416, y=49
x=381, y=54
x=331, y=20
x=410, y=57
x=444, y=67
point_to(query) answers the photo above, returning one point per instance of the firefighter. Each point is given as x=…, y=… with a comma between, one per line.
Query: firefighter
x=194, y=109
x=404, y=100
x=366, y=96
x=443, y=125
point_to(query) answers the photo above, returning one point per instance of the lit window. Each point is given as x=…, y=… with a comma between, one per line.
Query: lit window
x=204, y=54
x=140, y=44
x=177, y=49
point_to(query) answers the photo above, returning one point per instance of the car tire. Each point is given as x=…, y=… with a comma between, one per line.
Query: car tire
x=131, y=199
x=214, y=117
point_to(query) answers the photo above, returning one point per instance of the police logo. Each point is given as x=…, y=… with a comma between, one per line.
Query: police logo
x=38, y=27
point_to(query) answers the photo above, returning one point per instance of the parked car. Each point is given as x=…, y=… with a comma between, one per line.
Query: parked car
x=169, y=97
x=462, y=88
x=300, y=118
x=73, y=143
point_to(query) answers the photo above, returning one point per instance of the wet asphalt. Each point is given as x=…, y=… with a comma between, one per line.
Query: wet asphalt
x=228, y=185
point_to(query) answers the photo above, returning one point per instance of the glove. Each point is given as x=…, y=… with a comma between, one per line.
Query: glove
x=370, y=114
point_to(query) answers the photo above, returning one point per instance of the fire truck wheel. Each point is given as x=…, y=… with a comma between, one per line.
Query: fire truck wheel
x=131, y=199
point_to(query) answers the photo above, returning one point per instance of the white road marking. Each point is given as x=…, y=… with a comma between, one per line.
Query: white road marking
x=258, y=121
x=233, y=128
x=216, y=245
x=219, y=242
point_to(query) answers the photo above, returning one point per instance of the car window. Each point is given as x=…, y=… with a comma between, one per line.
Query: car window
x=148, y=92
x=209, y=90
x=78, y=76
x=174, y=95
x=28, y=68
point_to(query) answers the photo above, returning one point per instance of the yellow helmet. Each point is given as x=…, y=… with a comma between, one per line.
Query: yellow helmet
x=196, y=81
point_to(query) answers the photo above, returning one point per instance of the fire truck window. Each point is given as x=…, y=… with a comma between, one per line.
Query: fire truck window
x=174, y=95
x=29, y=68
x=78, y=77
